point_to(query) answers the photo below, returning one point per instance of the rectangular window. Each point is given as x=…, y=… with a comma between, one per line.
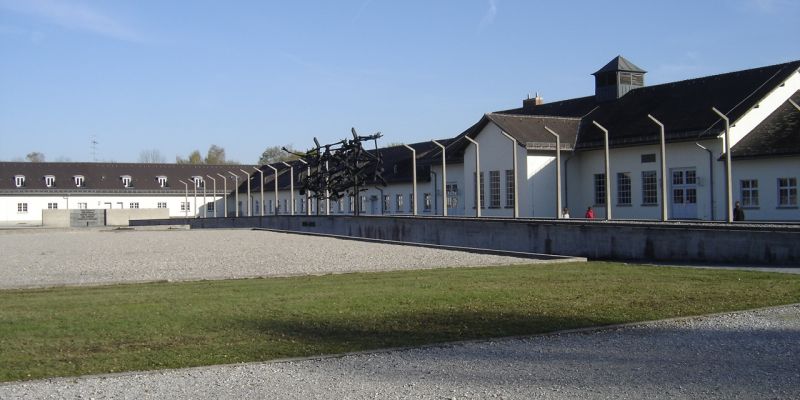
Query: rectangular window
x=452, y=195
x=270, y=207
x=399, y=200
x=162, y=204
x=49, y=180
x=787, y=192
x=510, y=188
x=22, y=207
x=162, y=181
x=363, y=206
x=185, y=206
x=386, y=203
x=52, y=206
x=78, y=180
x=209, y=206
x=352, y=204
x=749, y=192
x=411, y=202
x=648, y=158
x=649, y=188
x=624, y=188
x=83, y=206
x=600, y=189
x=340, y=204
x=19, y=181
x=285, y=205
x=134, y=205
x=427, y=202
x=494, y=189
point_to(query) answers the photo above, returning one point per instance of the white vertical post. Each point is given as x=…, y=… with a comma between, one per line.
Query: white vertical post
x=664, y=215
x=275, y=170
x=558, y=171
x=236, y=193
x=194, y=206
x=185, y=198
x=444, y=179
x=224, y=194
x=607, y=169
x=261, y=186
x=249, y=199
x=413, y=176
x=477, y=176
x=291, y=185
x=308, y=197
x=514, y=160
x=214, y=194
x=728, y=179
x=205, y=204
x=327, y=192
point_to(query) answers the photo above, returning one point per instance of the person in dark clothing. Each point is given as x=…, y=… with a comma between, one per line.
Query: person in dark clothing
x=738, y=212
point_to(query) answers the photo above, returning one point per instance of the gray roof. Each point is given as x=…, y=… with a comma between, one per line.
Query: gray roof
x=107, y=177
x=776, y=135
x=619, y=63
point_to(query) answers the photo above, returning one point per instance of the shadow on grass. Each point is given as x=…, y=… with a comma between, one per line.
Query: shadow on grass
x=403, y=329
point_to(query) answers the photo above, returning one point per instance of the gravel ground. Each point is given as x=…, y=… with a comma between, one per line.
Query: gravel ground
x=45, y=257
x=745, y=355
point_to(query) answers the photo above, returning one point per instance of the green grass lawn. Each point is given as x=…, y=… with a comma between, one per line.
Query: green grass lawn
x=75, y=331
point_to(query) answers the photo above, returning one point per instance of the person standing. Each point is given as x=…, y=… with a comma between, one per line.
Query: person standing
x=738, y=212
x=589, y=213
x=565, y=213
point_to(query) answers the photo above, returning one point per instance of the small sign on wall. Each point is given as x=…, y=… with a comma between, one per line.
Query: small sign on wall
x=86, y=218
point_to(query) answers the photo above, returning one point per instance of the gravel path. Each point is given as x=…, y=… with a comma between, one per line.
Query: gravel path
x=41, y=257
x=744, y=355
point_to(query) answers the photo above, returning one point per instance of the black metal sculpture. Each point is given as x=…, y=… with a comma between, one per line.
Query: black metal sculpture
x=342, y=169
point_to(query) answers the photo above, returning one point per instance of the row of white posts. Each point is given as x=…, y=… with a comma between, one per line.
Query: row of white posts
x=558, y=209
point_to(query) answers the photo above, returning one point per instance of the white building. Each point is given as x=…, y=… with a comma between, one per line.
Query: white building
x=183, y=189
x=761, y=105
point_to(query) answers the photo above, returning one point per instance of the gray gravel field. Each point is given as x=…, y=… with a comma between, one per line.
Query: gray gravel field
x=43, y=257
x=745, y=355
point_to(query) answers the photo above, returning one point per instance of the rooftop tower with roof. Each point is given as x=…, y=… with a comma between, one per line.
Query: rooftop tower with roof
x=616, y=78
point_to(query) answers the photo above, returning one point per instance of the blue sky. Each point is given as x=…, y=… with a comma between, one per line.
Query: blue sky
x=182, y=75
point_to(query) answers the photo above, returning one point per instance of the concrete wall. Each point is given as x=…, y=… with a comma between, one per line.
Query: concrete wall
x=120, y=217
x=667, y=242
x=55, y=218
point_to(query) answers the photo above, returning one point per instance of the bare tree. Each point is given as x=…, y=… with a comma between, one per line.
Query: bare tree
x=152, y=156
x=35, y=156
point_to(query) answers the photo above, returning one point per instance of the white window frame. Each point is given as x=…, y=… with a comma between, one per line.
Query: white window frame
x=19, y=181
x=748, y=192
x=161, y=204
x=83, y=206
x=787, y=192
x=49, y=180
x=79, y=180
x=22, y=208
x=199, y=182
x=134, y=204
x=649, y=188
x=162, y=180
x=624, y=186
x=599, y=182
x=127, y=181
x=52, y=206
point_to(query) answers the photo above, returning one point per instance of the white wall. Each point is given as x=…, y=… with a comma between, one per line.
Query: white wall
x=38, y=202
x=767, y=172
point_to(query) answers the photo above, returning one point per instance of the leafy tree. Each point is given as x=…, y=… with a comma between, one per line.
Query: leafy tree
x=216, y=155
x=35, y=156
x=194, y=158
x=274, y=154
x=152, y=156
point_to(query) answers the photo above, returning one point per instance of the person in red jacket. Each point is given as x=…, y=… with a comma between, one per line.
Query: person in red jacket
x=589, y=213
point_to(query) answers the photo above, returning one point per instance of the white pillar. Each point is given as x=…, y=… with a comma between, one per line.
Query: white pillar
x=477, y=176
x=728, y=179
x=214, y=194
x=291, y=185
x=224, y=194
x=275, y=170
x=261, y=186
x=514, y=160
x=444, y=179
x=607, y=169
x=413, y=177
x=664, y=215
x=558, y=171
